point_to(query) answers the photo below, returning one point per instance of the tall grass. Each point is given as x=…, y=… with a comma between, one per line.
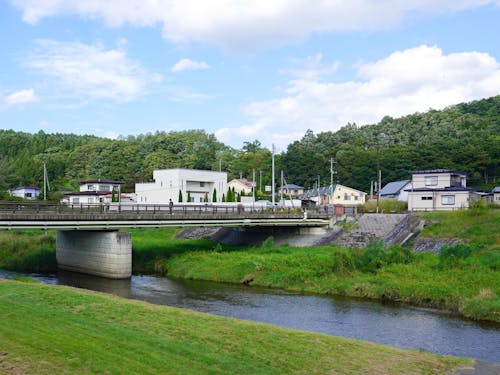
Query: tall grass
x=28, y=251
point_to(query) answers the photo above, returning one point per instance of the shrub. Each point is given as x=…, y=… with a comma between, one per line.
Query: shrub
x=490, y=259
x=399, y=255
x=451, y=256
x=268, y=242
x=373, y=258
x=343, y=262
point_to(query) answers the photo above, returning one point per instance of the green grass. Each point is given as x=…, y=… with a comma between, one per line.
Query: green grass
x=59, y=330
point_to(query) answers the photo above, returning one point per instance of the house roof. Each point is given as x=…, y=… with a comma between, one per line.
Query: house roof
x=95, y=193
x=292, y=186
x=242, y=181
x=437, y=171
x=394, y=187
x=496, y=190
x=100, y=180
x=452, y=188
x=26, y=187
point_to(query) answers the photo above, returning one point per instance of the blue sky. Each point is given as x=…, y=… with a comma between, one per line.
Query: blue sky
x=243, y=70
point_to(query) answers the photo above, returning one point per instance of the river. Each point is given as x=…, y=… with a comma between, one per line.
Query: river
x=391, y=324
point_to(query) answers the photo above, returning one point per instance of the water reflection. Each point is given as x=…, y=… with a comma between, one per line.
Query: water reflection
x=403, y=327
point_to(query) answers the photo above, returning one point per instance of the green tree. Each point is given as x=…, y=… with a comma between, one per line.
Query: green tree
x=214, y=196
x=180, y=196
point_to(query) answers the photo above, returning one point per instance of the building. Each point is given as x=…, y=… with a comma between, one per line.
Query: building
x=94, y=191
x=241, y=185
x=198, y=185
x=291, y=190
x=496, y=195
x=438, y=189
x=396, y=190
x=26, y=192
x=335, y=194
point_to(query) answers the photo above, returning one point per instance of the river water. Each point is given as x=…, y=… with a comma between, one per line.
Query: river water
x=390, y=324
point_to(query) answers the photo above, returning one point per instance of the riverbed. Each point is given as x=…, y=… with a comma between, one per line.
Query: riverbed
x=391, y=324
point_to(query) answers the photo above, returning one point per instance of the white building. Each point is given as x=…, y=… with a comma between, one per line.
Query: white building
x=26, y=192
x=241, y=185
x=336, y=194
x=396, y=190
x=94, y=191
x=198, y=184
x=438, y=189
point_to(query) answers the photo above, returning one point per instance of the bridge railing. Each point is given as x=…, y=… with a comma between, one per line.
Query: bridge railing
x=141, y=208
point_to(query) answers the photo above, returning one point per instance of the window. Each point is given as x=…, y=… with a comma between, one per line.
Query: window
x=90, y=187
x=202, y=184
x=448, y=199
x=76, y=200
x=347, y=197
x=426, y=198
x=28, y=195
x=431, y=180
x=105, y=188
x=356, y=197
x=201, y=199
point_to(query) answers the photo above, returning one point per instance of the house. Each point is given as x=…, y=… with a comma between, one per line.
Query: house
x=396, y=190
x=291, y=190
x=496, y=195
x=198, y=185
x=26, y=192
x=241, y=185
x=335, y=194
x=94, y=191
x=438, y=189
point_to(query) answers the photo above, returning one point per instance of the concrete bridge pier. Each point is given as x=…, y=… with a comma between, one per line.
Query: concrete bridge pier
x=106, y=253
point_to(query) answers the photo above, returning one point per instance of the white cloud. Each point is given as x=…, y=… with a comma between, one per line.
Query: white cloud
x=404, y=82
x=20, y=97
x=241, y=25
x=90, y=71
x=187, y=64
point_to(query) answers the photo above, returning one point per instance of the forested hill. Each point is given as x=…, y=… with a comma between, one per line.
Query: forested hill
x=464, y=137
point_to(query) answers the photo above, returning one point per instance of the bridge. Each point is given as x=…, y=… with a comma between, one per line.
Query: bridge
x=88, y=241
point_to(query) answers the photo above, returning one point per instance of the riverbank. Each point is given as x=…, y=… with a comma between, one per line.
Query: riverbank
x=464, y=280
x=52, y=329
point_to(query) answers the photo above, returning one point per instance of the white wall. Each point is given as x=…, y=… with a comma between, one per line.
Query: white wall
x=168, y=182
x=416, y=203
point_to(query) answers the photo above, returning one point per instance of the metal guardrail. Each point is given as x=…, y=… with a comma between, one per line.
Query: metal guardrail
x=186, y=210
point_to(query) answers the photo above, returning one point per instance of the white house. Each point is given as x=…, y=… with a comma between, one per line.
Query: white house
x=26, y=192
x=199, y=185
x=94, y=191
x=396, y=190
x=438, y=189
x=336, y=194
x=496, y=195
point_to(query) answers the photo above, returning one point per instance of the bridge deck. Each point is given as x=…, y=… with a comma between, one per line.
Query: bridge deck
x=109, y=216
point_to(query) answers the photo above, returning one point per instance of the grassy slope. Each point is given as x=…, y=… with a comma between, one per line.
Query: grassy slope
x=472, y=288
x=52, y=329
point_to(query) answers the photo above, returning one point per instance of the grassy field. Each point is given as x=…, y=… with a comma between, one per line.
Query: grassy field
x=58, y=330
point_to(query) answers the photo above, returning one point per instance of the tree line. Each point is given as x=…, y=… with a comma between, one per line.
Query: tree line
x=465, y=137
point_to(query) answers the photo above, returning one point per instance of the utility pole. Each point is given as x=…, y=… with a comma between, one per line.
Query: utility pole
x=260, y=180
x=253, y=183
x=281, y=190
x=272, y=177
x=44, y=181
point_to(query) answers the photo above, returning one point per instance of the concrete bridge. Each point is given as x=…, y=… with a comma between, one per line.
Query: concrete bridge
x=88, y=240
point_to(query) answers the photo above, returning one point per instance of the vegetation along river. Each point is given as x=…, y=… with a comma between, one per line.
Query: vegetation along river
x=399, y=326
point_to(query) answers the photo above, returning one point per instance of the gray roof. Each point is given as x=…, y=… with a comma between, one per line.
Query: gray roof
x=496, y=190
x=437, y=171
x=292, y=186
x=394, y=187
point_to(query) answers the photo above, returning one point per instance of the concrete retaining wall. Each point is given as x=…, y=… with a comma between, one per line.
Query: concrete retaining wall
x=95, y=252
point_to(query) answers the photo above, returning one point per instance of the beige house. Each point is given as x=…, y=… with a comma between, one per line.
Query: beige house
x=241, y=185
x=291, y=190
x=336, y=194
x=438, y=190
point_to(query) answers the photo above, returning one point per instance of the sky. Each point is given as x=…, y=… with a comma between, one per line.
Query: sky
x=264, y=70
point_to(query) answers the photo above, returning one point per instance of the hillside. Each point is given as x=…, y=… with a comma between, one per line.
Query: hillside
x=464, y=137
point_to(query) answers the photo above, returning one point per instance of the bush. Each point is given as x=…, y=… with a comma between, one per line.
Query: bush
x=491, y=260
x=373, y=258
x=399, y=255
x=451, y=256
x=343, y=262
x=268, y=242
